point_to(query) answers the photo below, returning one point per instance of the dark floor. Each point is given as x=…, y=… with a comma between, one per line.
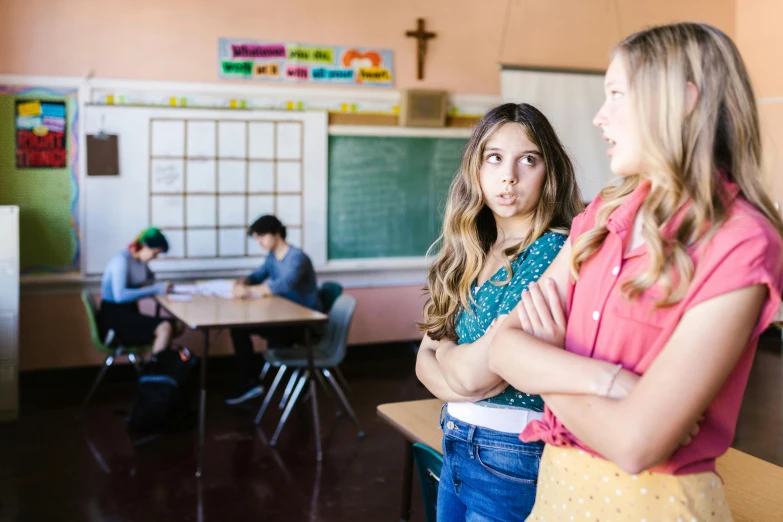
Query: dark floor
x=54, y=469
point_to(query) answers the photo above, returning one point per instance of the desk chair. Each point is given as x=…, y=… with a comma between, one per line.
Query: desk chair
x=327, y=294
x=328, y=353
x=105, y=346
x=429, y=463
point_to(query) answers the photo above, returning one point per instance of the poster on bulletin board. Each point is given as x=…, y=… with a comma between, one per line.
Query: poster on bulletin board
x=303, y=63
x=40, y=134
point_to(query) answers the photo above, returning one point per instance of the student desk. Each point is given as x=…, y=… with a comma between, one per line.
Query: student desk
x=752, y=485
x=207, y=313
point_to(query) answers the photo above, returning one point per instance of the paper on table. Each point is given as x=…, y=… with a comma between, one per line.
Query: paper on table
x=216, y=284
x=216, y=287
x=185, y=289
x=181, y=298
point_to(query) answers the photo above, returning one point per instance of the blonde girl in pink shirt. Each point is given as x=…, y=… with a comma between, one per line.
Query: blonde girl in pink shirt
x=672, y=274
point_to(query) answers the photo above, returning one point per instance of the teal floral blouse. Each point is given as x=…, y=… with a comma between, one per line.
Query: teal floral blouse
x=492, y=300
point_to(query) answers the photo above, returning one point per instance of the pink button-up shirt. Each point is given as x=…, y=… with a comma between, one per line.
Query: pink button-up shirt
x=602, y=324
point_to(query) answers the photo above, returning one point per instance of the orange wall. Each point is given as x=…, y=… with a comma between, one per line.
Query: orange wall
x=761, y=44
x=580, y=33
x=177, y=39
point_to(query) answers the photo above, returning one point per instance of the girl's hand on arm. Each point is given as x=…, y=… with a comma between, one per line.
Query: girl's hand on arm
x=542, y=315
x=536, y=364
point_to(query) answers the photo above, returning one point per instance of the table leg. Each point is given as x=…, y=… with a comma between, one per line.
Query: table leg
x=407, y=483
x=202, y=403
x=316, y=423
x=313, y=392
x=199, y=502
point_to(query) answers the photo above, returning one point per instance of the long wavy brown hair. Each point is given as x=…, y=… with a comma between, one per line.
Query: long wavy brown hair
x=469, y=228
x=683, y=153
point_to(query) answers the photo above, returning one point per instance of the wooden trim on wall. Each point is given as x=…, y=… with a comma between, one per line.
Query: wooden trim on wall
x=462, y=122
x=392, y=120
x=378, y=120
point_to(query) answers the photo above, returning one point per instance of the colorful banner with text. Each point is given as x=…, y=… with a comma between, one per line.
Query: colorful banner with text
x=303, y=63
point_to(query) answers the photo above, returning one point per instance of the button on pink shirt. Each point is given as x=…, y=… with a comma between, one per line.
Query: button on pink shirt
x=602, y=324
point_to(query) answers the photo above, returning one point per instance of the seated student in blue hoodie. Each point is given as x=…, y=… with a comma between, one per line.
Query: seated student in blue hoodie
x=126, y=279
x=287, y=272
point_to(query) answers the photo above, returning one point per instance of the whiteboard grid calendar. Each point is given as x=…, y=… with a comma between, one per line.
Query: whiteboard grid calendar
x=203, y=175
x=209, y=179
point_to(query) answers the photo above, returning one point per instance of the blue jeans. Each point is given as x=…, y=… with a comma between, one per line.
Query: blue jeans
x=487, y=475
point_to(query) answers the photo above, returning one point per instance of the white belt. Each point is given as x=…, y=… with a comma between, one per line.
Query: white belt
x=506, y=420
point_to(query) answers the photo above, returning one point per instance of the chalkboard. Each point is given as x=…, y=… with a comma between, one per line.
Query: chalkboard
x=386, y=195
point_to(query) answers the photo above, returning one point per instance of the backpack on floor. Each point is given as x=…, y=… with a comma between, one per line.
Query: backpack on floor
x=164, y=393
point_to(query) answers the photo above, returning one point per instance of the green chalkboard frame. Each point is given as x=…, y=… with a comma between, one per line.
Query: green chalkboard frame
x=386, y=194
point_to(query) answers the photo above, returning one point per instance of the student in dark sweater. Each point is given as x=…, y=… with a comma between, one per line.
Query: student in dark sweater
x=287, y=272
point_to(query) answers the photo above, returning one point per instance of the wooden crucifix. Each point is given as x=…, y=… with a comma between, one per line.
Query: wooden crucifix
x=421, y=45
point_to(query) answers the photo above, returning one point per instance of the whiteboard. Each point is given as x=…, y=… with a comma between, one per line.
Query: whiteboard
x=569, y=101
x=203, y=176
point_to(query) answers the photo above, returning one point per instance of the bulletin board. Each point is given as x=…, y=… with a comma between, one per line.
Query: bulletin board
x=39, y=172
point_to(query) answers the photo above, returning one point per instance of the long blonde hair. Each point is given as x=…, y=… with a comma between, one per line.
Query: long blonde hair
x=684, y=154
x=469, y=228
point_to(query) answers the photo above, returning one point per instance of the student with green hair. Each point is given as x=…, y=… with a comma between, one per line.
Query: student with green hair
x=127, y=279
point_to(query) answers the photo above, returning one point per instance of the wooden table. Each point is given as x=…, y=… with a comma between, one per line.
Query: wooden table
x=206, y=313
x=752, y=485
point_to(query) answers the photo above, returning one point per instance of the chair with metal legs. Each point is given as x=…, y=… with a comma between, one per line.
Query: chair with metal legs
x=289, y=387
x=328, y=293
x=328, y=354
x=292, y=381
x=105, y=346
x=268, y=397
x=341, y=378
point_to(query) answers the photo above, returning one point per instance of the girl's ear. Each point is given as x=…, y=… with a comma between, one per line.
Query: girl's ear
x=691, y=97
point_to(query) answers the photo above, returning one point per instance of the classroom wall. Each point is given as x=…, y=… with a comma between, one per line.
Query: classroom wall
x=760, y=41
x=172, y=40
x=176, y=40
